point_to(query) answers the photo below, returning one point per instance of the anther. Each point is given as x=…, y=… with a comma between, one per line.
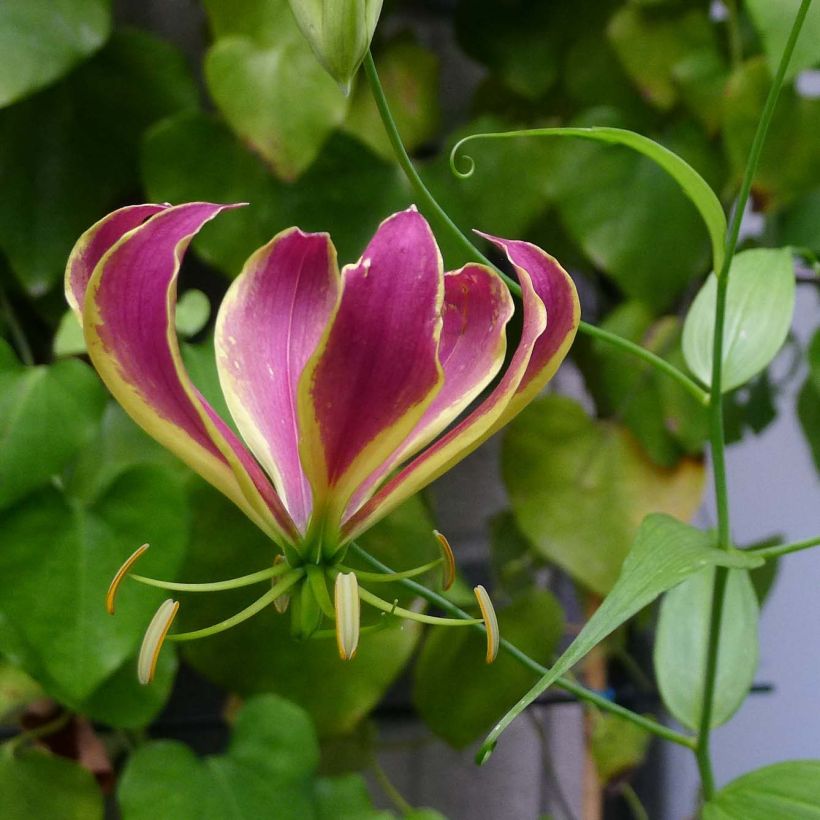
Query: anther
x=490, y=622
x=347, y=608
x=449, y=568
x=153, y=640
x=111, y=595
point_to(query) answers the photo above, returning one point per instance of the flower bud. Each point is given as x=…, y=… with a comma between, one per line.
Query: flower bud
x=339, y=32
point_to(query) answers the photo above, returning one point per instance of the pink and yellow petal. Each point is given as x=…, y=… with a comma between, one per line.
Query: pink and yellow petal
x=268, y=326
x=94, y=244
x=376, y=369
x=129, y=329
x=534, y=361
x=477, y=307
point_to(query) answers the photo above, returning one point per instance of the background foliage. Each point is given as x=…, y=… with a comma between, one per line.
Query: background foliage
x=96, y=114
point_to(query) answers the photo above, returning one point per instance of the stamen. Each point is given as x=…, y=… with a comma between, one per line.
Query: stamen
x=318, y=585
x=111, y=595
x=257, y=606
x=153, y=640
x=449, y=561
x=281, y=603
x=217, y=586
x=490, y=622
x=392, y=609
x=387, y=578
x=347, y=614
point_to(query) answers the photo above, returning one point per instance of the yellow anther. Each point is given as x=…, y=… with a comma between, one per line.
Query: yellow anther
x=449, y=575
x=153, y=640
x=111, y=595
x=490, y=622
x=347, y=608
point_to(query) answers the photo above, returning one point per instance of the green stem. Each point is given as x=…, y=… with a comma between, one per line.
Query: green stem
x=716, y=436
x=51, y=727
x=215, y=586
x=257, y=606
x=390, y=791
x=16, y=330
x=785, y=549
x=428, y=203
x=634, y=802
x=580, y=692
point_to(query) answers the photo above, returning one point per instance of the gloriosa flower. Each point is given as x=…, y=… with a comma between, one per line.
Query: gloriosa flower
x=345, y=386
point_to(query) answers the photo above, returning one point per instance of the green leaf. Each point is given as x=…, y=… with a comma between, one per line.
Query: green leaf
x=409, y=74
x=270, y=87
x=789, y=164
x=17, y=690
x=193, y=157
x=773, y=20
x=40, y=40
x=36, y=784
x=268, y=771
x=789, y=789
x=79, y=141
x=631, y=239
x=665, y=552
x=665, y=418
x=579, y=488
x=799, y=224
x=519, y=44
x=682, y=640
x=457, y=693
x=47, y=414
x=260, y=655
x=656, y=50
x=759, y=308
x=617, y=746
x=58, y=558
x=69, y=339
x=193, y=312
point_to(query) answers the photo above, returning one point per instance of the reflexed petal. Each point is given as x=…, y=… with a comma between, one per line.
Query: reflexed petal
x=268, y=325
x=376, y=370
x=545, y=286
x=93, y=245
x=129, y=330
x=477, y=307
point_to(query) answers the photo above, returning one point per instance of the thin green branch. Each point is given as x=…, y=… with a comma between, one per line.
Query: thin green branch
x=717, y=436
x=45, y=730
x=576, y=689
x=15, y=329
x=785, y=549
x=428, y=203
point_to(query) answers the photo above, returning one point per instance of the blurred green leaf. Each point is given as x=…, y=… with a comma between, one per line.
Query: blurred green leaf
x=36, y=784
x=789, y=164
x=518, y=41
x=808, y=401
x=193, y=157
x=17, y=690
x=663, y=417
x=409, y=74
x=655, y=48
x=790, y=789
x=41, y=40
x=759, y=308
x=579, y=488
x=192, y=313
x=752, y=408
x=260, y=655
x=268, y=771
x=511, y=554
x=617, y=745
x=665, y=552
x=57, y=560
x=69, y=339
x=47, y=414
x=799, y=224
x=648, y=238
x=79, y=141
x=269, y=85
x=773, y=20
x=458, y=694
x=682, y=640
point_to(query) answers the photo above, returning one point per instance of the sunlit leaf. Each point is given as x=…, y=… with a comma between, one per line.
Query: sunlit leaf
x=789, y=789
x=579, y=488
x=681, y=647
x=40, y=40
x=617, y=746
x=759, y=308
x=665, y=552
